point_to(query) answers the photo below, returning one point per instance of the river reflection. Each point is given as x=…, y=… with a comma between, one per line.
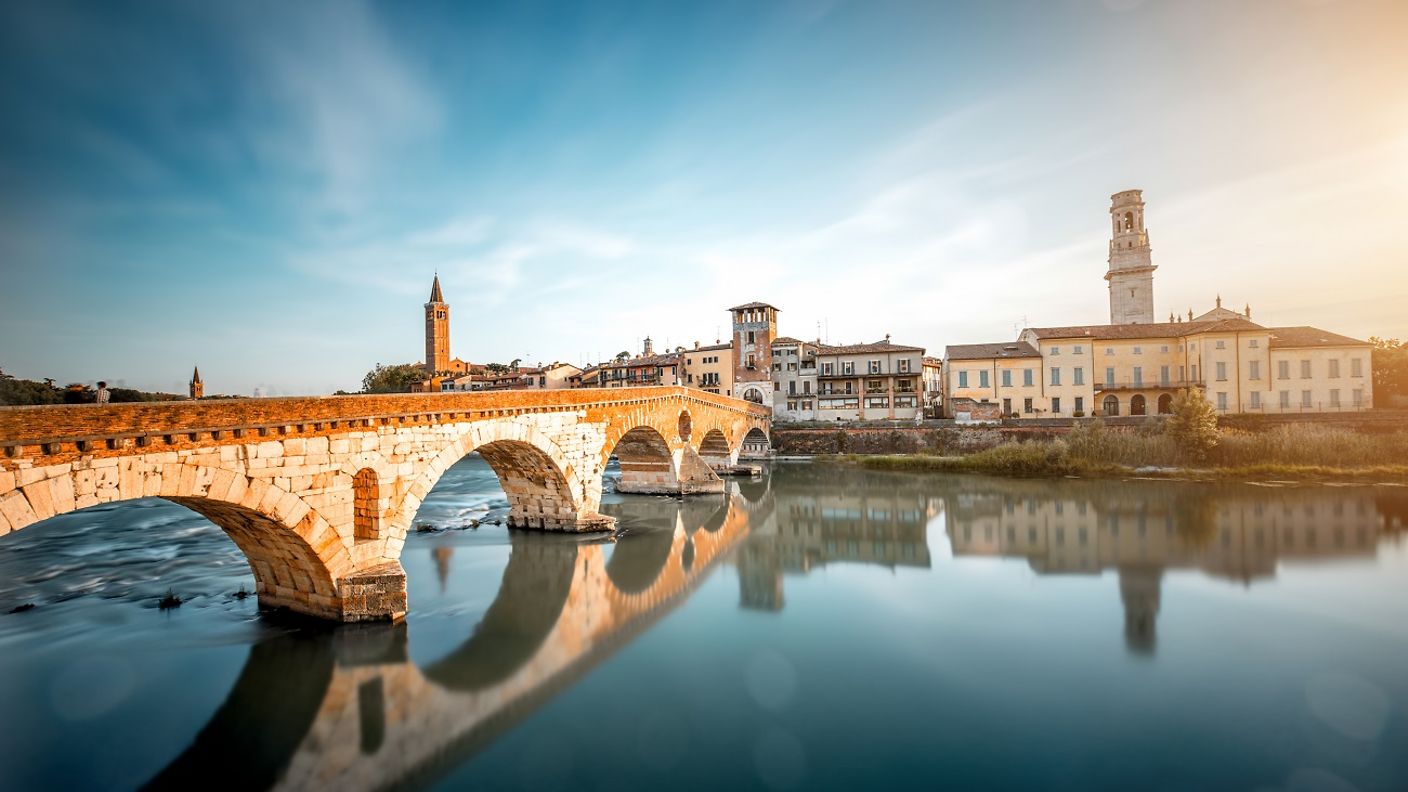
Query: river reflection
x=845, y=628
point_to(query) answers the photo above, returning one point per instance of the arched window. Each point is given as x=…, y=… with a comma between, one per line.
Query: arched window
x=1165, y=404
x=753, y=395
x=1129, y=221
x=1111, y=405
x=1137, y=405
x=366, y=505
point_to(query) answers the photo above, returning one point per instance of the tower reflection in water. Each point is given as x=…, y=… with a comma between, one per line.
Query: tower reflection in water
x=347, y=709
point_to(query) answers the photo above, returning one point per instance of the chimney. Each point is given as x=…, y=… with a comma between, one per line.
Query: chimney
x=696, y=344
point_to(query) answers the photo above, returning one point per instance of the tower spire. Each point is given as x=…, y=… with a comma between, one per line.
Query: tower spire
x=435, y=295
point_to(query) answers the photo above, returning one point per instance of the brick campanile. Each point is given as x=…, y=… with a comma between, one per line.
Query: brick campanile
x=754, y=328
x=1131, y=273
x=437, y=331
x=197, y=387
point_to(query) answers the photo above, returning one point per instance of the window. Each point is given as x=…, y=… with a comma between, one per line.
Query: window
x=826, y=369
x=1110, y=376
x=1254, y=343
x=874, y=367
x=1283, y=369
x=1163, y=374
x=906, y=401
x=752, y=362
x=791, y=405
x=751, y=337
x=1109, y=350
x=904, y=385
x=1221, y=372
x=1254, y=370
x=792, y=388
x=1256, y=400
x=1356, y=367
x=1055, y=404
x=1305, y=369
x=875, y=386
x=877, y=402
x=1080, y=404
x=806, y=387
x=962, y=379
x=1138, y=375
x=983, y=378
x=1285, y=399
x=777, y=366
x=1221, y=344
x=1305, y=398
x=1164, y=349
x=1079, y=375
x=1139, y=350
x=1055, y=376
x=1006, y=407
x=848, y=367
x=1222, y=402
x=1195, y=372
x=1055, y=350
x=1006, y=378
x=1334, y=397
x=1027, y=405
x=902, y=365
x=1027, y=375
x=1334, y=369
x=1358, y=396
x=1079, y=350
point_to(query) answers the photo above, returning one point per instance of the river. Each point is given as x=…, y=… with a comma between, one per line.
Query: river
x=821, y=627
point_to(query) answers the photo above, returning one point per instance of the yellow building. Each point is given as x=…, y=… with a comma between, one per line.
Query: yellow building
x=1135, y=367
x=709, y=368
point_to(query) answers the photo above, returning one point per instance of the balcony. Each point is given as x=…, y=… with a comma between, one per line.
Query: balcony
x=1151, y=384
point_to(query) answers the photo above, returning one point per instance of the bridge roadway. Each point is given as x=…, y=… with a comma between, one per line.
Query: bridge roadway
x=348, y=710
x=319, y=493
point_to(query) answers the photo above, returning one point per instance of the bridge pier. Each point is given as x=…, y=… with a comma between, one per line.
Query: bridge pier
x=684, y=472
x=375, y=594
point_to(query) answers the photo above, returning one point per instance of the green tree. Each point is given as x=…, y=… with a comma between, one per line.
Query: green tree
x=1193, y=424
x=18, y=392
x=392, y=379
x=1389, y=360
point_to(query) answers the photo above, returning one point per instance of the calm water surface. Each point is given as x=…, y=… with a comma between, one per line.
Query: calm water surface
x=821, y=627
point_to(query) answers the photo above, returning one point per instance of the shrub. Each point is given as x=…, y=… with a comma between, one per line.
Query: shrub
x=1192, y=425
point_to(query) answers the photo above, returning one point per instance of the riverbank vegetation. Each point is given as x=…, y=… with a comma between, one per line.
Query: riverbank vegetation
x=1296, y=451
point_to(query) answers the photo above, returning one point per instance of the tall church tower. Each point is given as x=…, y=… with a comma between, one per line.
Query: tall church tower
x=754, y=328
x=1131, y=273
x=437, y=331
x=197, y=387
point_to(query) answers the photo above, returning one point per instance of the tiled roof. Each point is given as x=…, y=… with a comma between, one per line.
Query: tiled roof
x=713, y=347
x=1013, y=349
x=752, y=305
x=854, y=349
x=787, y=340
x=1153, y=330
x=933, y=361
x=1306, y=336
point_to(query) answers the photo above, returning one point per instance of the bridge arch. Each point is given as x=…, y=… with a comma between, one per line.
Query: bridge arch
x=295, y=554
x=647, y=462
x=544, y=490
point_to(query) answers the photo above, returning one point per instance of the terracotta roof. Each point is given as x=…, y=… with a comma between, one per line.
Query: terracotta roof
x=1013, y=349
x=929, y=360
x=751, y=305
x=853, y=349
x=667, y=359
x=1306, y=336
x=713, y=347
x=1153, y=330
x=787, y=340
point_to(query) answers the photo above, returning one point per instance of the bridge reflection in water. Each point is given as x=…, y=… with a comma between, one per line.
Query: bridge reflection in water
x=347, y=709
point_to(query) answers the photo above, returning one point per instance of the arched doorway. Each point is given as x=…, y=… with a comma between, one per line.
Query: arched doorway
x=753, y=395
x=1111, y=405
x=1166, y=404
x=1138, y=405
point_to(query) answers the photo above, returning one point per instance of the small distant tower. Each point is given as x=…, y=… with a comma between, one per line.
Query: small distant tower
x=437, y=331
x=754, y=328
x=197, y=387
x=1131, y=273
x=649, y=348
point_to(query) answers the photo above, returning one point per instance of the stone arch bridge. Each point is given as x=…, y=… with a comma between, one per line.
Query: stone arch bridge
x=319, y=493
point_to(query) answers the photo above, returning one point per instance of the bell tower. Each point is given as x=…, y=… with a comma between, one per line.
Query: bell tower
x=437, y=331
x=1131, y=273
x=754, y=328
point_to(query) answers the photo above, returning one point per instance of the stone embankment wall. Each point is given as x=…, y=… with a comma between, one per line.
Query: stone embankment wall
x=947, y=437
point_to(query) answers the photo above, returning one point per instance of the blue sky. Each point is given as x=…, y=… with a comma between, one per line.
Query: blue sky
x=266, y=189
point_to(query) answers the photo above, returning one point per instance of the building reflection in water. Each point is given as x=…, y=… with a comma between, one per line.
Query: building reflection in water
x=345, y=708
x=1234, y=532
x=814, y=515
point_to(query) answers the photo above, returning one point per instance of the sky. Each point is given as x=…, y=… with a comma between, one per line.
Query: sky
x=267, y=189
